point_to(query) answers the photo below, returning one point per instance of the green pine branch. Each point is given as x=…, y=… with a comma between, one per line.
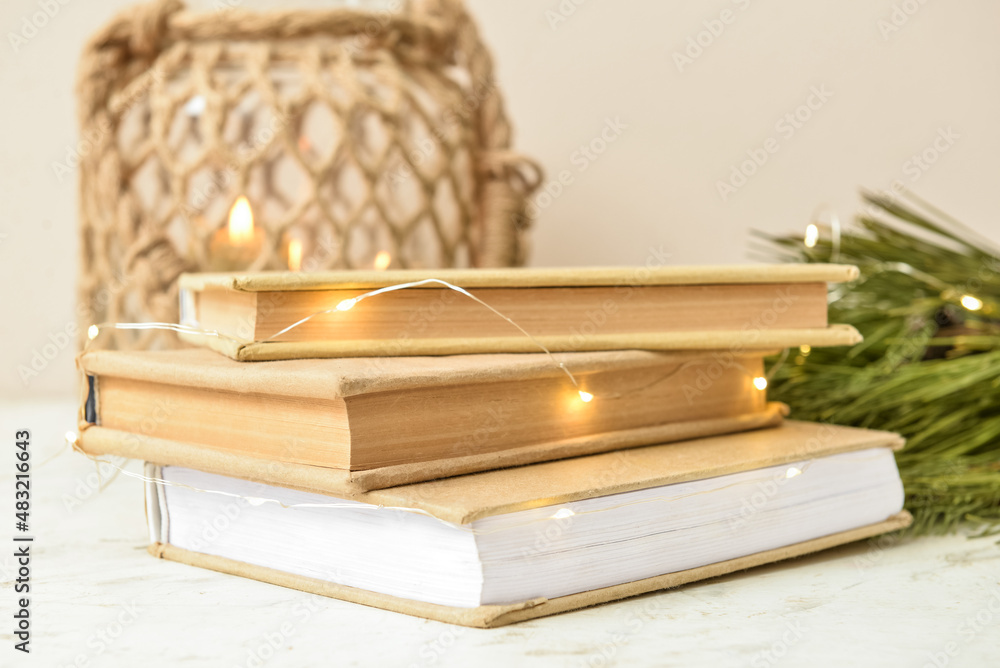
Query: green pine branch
x=928, y=305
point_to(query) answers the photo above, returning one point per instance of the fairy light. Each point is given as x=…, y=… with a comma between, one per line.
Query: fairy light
x=382, y=261
x=346, y=305
x=805, y=350
x=812, y=235
x=971, y=303
x=562, y=513
x=92, y=332
x=760, y=382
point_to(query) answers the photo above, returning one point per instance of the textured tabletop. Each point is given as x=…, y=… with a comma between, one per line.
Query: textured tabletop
x=100, y=600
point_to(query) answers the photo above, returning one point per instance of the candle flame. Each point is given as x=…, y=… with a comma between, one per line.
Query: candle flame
x=241, y=222
x=295, y=255
x=382, y=261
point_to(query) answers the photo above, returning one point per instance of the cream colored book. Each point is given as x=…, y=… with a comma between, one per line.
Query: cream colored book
x=503, y=546
x=576, y=309
x=389, y=421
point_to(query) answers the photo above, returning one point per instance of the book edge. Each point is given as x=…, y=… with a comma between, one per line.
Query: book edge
x=338, y=482
x=747, y=340
x=526, y=277
x=491, y=616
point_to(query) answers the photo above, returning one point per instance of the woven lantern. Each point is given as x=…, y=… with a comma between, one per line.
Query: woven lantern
x=301, y=140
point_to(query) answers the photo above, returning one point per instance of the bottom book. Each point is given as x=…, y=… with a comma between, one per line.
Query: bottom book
x=504, y=546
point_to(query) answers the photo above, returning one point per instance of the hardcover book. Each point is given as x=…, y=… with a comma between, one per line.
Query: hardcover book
x=390, y=421
x=507, y=545
x=270, y=316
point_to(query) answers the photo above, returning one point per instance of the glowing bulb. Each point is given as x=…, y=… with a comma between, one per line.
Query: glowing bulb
x=347, y=304
x=586, y=397
x=812, y=235
x=760, y=382
x=563, y=513
x=971, y=303
x=382, y=261
x=805, y=350
x=71, y=437
x=92, y=332
x=241, y=222
x=792, y=471
x=295, y=255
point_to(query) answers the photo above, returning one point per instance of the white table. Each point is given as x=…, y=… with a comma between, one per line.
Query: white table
x=100, y=600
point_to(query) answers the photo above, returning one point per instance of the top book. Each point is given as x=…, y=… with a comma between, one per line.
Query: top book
x=283, y=315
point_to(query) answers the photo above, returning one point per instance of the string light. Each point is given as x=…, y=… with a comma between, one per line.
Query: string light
x=759, y=382
x=971, y=303
x=562, y=513
x=805, y=350
x=812, y=235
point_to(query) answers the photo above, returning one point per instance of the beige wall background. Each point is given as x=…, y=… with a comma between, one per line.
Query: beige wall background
x=887, y=80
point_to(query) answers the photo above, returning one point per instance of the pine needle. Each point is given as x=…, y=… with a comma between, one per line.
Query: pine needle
x=929, y=367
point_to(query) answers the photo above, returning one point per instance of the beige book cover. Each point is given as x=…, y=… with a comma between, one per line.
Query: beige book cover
x=464, y=499
x=379, y=423
x=575, y=309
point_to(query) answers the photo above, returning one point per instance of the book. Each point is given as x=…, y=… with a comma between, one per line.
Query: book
x=507, y=545
x=283, y=315
x=400, y=420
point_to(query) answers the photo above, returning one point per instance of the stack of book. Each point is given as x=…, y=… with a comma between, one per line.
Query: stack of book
x=533, y=442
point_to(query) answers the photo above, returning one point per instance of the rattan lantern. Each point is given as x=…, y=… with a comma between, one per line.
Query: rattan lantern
x=300, y=140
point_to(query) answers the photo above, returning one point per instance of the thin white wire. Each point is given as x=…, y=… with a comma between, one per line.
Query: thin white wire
x=450, y=286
